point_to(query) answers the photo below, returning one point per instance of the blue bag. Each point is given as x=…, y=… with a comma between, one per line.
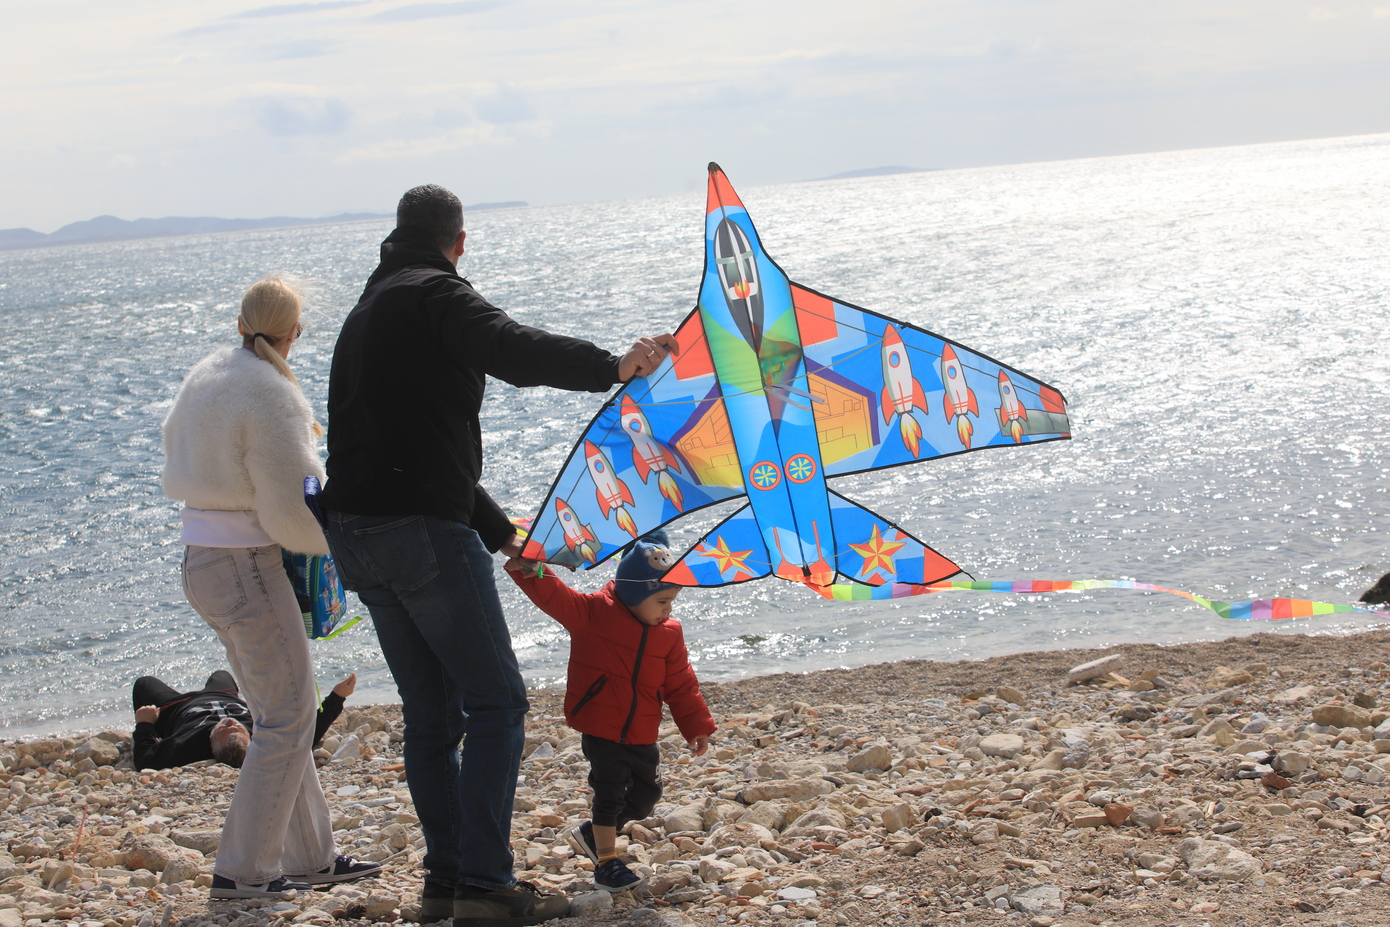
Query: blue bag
x=315, y=581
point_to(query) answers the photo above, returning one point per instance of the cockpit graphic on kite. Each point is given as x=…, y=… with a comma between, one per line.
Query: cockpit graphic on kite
x=774, y=389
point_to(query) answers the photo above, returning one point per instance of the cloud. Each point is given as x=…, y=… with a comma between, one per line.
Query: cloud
x=283, y=117
x=291, y=9
x=503, y=106
x=299, y=48
x=414, y=11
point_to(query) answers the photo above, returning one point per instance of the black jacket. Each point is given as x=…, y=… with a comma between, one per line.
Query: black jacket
x=183, y=732
x=407, y=384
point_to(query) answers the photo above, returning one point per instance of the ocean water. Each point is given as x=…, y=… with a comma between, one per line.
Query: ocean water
x=1215, y=318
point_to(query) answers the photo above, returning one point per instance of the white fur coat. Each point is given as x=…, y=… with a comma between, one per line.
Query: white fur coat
x=239, y=438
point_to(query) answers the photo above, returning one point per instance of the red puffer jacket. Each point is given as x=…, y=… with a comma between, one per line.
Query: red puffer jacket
x=620, y=670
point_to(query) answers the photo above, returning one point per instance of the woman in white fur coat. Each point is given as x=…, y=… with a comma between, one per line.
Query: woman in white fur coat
x=238, y=443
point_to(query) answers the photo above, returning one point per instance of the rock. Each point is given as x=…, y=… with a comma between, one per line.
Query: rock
x=1272, y=780
x=149, y=851
x=816, y=817
x=875, y=757
x=1078, y=751
x=1038, y=901
x=1292, y=763
x=772, y=815
x=897, y=817
x=715, y=870
x=1297, y=693
x=1341, y=714
x=684, y=818
x=101, y=752
x=9, y=917
x=179, y=869
x=1211, y=861
x=796, y=790
x=1011, y=695
x=1007, y=746
x=380, y=904
x=738, y=834
x=1223, y=677
x=591, y=904
x=1053, y=760
x=203, y=841
x=1117, y=813
x=350, y=749
x=793, y=893
x=1095, y=669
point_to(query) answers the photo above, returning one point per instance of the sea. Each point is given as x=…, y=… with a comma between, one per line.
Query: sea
x=1217, y=320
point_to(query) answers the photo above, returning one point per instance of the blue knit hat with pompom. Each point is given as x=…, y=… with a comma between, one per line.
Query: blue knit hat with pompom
x=641, y=569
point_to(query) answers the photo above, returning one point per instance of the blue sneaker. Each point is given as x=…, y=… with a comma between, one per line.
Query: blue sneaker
x=582, y=839
x=614, y=876
x=342, y=869
x=277, y=890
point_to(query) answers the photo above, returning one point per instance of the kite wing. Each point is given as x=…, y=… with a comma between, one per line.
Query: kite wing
x=659, y=448
x=774, y=388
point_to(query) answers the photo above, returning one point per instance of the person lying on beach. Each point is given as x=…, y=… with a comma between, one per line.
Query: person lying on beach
x=627, y=657
x=175, y=728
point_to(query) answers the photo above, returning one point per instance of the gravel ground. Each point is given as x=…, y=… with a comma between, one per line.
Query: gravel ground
x=1241, y=782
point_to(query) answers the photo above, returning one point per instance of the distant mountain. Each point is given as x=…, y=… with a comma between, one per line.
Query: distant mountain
x=876, y=172
x=111, y=228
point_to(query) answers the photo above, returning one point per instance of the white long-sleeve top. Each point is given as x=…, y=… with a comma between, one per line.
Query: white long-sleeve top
x=239, y=439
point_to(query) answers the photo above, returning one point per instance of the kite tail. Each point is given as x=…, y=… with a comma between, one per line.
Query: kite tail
x=1259, y=609
x=670, y=490
x=625, y=521
x=964, y=429
x=911, y=432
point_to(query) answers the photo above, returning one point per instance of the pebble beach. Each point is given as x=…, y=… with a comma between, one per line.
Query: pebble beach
x=1234, y=782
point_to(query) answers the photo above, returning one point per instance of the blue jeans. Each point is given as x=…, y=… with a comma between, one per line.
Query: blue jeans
x=429, y=586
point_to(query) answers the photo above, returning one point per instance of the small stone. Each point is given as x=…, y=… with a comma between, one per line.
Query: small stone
x=350, y=749
x=1272, y=780
x=792, y=893
x=897, y=817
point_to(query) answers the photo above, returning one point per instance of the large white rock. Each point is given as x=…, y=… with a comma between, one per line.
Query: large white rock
x=786, y=789
x=1096, y=668
x=1211, y=861
x=1007, y=746
x=874, y=757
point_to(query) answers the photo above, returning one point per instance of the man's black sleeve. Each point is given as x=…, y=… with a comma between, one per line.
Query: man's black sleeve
x=180, y=750
x=491, y=523
x=328, y=713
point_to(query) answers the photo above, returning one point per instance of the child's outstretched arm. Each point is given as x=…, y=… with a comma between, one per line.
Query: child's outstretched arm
x=549, y=592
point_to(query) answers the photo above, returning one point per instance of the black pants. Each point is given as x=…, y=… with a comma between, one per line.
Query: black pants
x=151, y=691
x=624, y=778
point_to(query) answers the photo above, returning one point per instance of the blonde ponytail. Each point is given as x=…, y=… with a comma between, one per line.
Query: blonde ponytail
x=270, y=312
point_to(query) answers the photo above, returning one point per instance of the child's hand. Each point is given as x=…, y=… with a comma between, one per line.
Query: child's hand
x=699, y=745
x=518, y=565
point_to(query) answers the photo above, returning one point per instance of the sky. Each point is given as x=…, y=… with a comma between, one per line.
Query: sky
x=246, y=109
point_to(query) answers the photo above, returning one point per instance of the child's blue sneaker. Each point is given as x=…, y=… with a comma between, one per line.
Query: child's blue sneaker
x=581, y=838
x=614, y=876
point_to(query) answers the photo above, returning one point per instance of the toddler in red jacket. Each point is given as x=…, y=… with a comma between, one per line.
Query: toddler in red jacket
x=627, y=658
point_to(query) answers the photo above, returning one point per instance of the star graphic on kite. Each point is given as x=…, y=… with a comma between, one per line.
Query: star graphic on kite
x=878, y=553
x=727, y=559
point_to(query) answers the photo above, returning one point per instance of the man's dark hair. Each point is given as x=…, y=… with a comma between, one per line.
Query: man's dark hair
x=231, y=751
x=434, y=211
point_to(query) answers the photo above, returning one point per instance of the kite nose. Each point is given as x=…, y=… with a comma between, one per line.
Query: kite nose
x=714, y=168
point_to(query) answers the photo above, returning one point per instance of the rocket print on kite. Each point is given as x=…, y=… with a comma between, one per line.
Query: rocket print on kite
x=774, y=389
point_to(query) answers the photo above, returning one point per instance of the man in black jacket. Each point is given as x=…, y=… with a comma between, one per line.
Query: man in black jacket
x=412, y=533
x=175, y=728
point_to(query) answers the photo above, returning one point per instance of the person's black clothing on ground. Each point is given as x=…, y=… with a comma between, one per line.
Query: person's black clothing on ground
x=181, y=735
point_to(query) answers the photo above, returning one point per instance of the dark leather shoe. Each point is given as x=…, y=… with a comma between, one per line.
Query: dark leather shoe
x=519, y=906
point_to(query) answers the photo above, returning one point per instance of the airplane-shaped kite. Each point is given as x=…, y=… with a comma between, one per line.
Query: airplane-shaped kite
x=775, y=388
